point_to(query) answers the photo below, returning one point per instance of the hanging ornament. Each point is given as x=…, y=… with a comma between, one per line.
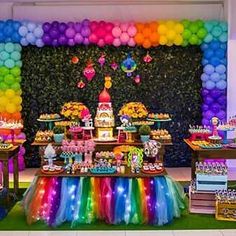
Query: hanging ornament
x=128, y=65
x=74, y=60
x=102, y=60
x=108, y=82
x=89, y=71
x=81, y=84
x=137, y=79
x=147, y=58
x=114, y=65
x=104, y=96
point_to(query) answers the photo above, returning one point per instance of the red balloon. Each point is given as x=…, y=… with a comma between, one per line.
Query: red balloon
x=108, y=39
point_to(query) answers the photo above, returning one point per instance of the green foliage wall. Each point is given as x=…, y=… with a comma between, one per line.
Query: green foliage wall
x=170, y=83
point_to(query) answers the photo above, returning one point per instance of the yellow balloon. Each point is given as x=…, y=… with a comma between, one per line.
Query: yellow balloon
x=19, y=92
x=2, y=108
x=10, y=93
x=1, y=93
x=162, y=29
x=3, y=100
x=11, y=108
x=179, y=28
x=170, y=24
x=169, y=43
x=19, y=108
x=171, y=35
x=163, y=40
x=178, y=40
x=17, y=100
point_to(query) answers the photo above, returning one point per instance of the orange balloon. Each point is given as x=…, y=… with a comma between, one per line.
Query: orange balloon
x=147, y=32
x=139, y=26
x=154, y=38
x=5, y=115
x=153, y=26
x=16, y=116
x=147, y=43
x=139, y=38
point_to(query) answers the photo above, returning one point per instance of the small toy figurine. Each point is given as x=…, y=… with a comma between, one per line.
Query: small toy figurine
x=151, y=149
x=215, y=121
x=135, y=159
x=118, y=156
x=50, y=154
x=125, y=120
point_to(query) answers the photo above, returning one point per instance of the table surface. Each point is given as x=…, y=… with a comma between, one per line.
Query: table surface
x=128, y=174
x=9, y=152
x=199, y=149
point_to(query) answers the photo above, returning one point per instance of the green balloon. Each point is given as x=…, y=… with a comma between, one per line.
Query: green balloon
x=19, y=63
x=186, y=34
x=9, y=63
x=1, y=63
x=1, y=78
x=4, y=55
x=9, y=47
x=202, y=33
x=4, y=71
x=9, y=79
x=18, y=47
x=15, y=71
x=200, y=23
x=217, y=31
x=185, y=23
x=2, y=47
x=15, y=56
x=185, y=43
x=193, y=40
x=193, y=27
x=15, y=86
x=18, y=79
x=3, y=86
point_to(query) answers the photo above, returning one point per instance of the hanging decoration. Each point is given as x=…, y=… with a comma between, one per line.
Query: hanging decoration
x=74, y=60
x=147, y=58
x=108, y=82
x=137, y=79
x=81, y=84
x=114, y=65
x=128, y=65
x=89, y=72
x=102, y=60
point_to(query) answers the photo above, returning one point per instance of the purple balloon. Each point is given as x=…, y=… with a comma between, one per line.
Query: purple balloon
x=85, y=31
x=78, y=38
x=205, y=92
x=70, y=33
x=208, y=100
x=71, y=24
x=78, y=27
x=54, y=34
x=71, y=42
x=215, y=107
x=46, y=39
x=210, y=114
x=222, y=100
x=205, y=107
x=205, y=77
x=205, y=122
x=215, y=93
x=55, y=43
x=55, y=24
x=86, y=22
x=62, y=40
x=62, y=27
x=221, y=114
x=86, y=41
x=46, y=27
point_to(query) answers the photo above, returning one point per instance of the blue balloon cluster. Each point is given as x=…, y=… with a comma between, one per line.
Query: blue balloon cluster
x=9, y=31
x=31, y=33
x=217, y=30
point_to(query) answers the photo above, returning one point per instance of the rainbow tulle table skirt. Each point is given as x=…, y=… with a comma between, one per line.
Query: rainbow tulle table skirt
x=116, y=200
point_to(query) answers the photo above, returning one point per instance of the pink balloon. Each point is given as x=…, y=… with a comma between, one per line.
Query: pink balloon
x=109, y=27
x=71, y=42
x=100, y=33
x=116, y=23
x=93, y=38
x=124, y=38
x=116, y=42
x=93, y=25
x=70, y=33
x=102, y=23
x=124, y=26
x=78, y=38
x=116, y=31
x=101, y=43
x=132, y=31
x=131, y=42
x=108, y=39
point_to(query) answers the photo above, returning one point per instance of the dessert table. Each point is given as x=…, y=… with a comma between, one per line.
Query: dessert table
x=5, y=156
x=200, y=154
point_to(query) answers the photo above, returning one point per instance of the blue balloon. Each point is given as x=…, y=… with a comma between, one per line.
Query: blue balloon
x=204, y=61
x=224, y=61
x=224, y=25
x=2, y=37
x=217, y=31
x=223, y=46
x=223, y=77
x=208, y=53
x=4, y=55
x=221, y=84
x=38, y=32
x=1, y=24
x=221, y=69
x=16, y=25
x=223, y=37
x=210, y=85
x=215, y=77
x=220, y=53
x=205, y=77
x=208, y=38
x=23, y=30
x=30, y=38
x=209, y=69
x=17, y=47
x=16, y=37
x=24, y=42
x=215, y=61
x=7, y=31
x=31, y=26
x=215, y=44
x=39, y=43
x=204, y=46
x=9, y=63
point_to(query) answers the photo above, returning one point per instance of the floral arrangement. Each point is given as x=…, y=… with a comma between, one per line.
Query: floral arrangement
x=74, y=110
x=135, y=110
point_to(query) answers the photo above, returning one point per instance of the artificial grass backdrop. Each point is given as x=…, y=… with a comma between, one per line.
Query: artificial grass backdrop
x=170, y=83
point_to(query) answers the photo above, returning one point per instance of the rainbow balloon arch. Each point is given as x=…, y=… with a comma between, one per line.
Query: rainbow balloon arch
x=115, y=200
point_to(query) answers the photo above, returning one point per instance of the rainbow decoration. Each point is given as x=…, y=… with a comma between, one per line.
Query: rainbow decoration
x=83, y=200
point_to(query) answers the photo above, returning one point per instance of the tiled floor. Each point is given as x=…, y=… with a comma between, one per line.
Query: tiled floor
x=123, y=233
